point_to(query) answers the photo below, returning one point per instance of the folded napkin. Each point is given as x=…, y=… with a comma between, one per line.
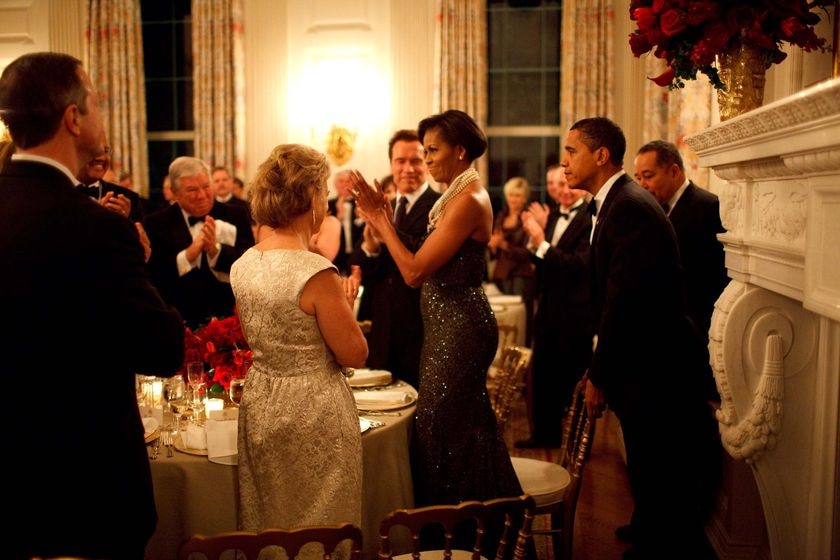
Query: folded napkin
x=196, y=437
x=221, y=440
x=149, y=425
x=364, y=376
x=381, y=397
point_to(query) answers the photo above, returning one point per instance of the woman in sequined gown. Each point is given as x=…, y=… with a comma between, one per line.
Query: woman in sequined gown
x=458, y=453
x=300, y=454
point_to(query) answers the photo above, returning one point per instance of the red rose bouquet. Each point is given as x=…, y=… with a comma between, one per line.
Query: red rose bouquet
x=222, y=347
x=689, y=34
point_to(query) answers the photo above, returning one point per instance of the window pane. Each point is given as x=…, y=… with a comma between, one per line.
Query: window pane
x=160, y=100
x=527, y=157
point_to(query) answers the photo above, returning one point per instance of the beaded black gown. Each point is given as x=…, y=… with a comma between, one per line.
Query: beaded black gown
x=457, y=451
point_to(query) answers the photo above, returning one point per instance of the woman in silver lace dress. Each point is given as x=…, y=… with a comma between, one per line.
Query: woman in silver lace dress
x=458, y=453
x=300, y=450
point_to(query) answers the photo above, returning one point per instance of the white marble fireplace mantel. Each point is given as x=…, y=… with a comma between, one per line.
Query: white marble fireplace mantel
x=775, y=335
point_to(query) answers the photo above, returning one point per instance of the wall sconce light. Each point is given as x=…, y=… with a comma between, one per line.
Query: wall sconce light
x=340, y=142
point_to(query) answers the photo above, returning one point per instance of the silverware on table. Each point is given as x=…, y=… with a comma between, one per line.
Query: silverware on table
x=153, y=454
x=378, y=413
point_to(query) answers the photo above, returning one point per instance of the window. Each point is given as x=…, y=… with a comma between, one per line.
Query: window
x=167, y=54
x=523, y=86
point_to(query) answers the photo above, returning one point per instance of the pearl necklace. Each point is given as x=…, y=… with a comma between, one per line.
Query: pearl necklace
x=459, y=184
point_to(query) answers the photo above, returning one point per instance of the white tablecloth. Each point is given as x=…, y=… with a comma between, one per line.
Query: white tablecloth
x=194, y=495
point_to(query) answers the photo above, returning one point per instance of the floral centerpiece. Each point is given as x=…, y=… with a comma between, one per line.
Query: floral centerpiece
x=222, y=347
x=689, y=34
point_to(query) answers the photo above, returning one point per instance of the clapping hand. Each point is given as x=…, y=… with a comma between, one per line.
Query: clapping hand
x=369, y=199
x=119, y=203
x=539, y=212
x=533, y=228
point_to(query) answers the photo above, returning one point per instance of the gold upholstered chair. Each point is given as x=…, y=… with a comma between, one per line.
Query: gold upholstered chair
x=246, y=545
x=556, y=486
x=513, y=515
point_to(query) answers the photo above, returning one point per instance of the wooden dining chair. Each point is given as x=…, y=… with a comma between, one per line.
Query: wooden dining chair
x=507, y=337
x=247, y=545
x=556, y=486
x=513, y=516
x=509, y=381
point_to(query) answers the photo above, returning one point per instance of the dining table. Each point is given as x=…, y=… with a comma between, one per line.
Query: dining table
x=194, y=495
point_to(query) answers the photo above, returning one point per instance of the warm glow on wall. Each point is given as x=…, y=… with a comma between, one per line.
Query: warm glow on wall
x=338, y=89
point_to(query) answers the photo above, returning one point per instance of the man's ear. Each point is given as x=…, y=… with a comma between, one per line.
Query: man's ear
x=72, y=119
x=602, y=155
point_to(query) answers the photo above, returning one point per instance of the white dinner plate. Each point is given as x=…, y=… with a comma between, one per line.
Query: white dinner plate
x=364, y=424
x=411, y=398
x=364, y=377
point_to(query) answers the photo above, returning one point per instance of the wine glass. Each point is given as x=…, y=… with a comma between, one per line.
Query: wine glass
x=235, y=389
x=175, y=394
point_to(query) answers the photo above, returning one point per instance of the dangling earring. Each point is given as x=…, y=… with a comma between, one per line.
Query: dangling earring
x=460, y=157
x=313, y=217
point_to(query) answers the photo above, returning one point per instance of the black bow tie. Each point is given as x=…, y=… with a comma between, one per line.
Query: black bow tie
x=92, y=192
x=592, y=208
x=194, y=219
x=568, y=215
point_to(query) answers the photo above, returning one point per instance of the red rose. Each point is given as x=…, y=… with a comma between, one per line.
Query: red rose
x=672, y=22
x=702, y=54
x=659, y=6
x=757, y=36
x=645, y=18
x=700, y=12
x=718, y=34
x=639, y=44
x=791, y=26
x=665, y=78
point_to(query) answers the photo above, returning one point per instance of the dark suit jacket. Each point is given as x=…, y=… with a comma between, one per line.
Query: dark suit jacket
x=564, y=306
x=343, y=258
x=198, y=294
x=243, y=204
x=396, y=335
x=82, y=318
x=696, y=221
x=644, y=334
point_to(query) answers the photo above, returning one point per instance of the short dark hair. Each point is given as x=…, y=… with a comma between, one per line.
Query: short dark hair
x=403, y=135
x=667, y=154
x=601, y=132
x=35, y=90
x=457, y=128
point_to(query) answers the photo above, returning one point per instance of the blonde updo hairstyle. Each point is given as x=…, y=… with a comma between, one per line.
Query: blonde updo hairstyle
x=287, y=183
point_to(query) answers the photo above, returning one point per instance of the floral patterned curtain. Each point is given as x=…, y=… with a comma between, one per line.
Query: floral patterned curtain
x=218, y=77
x=114, y=60
x=586, y=69
x=672, y=115
x=461, y=60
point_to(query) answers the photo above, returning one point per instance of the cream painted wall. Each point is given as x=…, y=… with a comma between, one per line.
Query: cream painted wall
x=295, y=92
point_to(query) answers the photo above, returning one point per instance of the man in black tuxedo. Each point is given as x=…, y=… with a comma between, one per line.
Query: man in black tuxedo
x=343, y=207
x=84, y=318
x=194, y=243
x=559, y=241
x=695, y=215
x=648, y=362
x=110, y=195
x=396, y=335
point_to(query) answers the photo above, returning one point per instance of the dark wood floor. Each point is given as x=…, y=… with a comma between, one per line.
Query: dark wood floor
x=604, y=502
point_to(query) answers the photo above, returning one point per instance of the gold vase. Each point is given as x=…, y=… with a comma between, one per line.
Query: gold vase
x=742, y=68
